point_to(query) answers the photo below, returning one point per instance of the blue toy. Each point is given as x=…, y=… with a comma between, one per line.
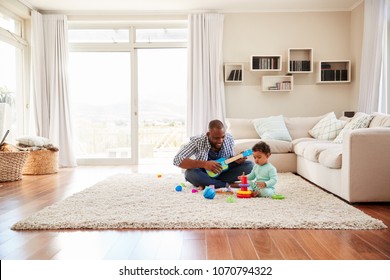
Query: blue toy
x=179, y=188
x=209, y=193
x=224, y=162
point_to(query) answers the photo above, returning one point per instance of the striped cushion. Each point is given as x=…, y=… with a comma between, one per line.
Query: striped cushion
x=272, y=127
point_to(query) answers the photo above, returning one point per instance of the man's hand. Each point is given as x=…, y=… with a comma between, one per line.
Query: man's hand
x=213, y=166
x=241, y=160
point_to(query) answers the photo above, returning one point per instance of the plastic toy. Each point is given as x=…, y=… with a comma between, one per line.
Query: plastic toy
x=209, y=193
x=230, y=199
x=244, y=192
x=227, y=190
x=224, y=162
x=278, y=196
x=179, y=188
x=194, y=191
x=159, y=175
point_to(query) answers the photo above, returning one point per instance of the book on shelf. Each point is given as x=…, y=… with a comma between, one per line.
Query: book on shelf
x=255, y=63
x=300, y=65
x=265, y=63
x=231, y=76
x=240, y=75
x=334, y=75
x=285, y=85
x=235, y=75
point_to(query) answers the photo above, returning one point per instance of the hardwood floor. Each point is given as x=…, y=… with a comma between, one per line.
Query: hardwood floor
x=19, y=199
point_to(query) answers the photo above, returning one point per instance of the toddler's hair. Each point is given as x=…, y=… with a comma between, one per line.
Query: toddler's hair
x=261, y=147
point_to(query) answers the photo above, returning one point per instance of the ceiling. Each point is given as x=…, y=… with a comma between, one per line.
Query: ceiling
x=161, y=6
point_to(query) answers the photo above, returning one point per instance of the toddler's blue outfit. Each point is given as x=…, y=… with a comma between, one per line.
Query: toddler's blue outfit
x=263, y=173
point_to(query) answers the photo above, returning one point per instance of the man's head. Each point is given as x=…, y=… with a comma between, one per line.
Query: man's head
x=216, y=134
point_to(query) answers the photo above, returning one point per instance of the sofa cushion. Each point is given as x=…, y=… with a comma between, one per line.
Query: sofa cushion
x=327, y=128
x=332, y=157
x=380, y=120
x=241, y=128
x=298, y=127
x=361, y=121
x=277, y=146
x=313, y=150
x=272, y=127
x=299, y=145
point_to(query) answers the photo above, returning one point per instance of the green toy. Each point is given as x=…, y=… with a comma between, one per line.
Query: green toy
x=278, y=196
x=230, y=199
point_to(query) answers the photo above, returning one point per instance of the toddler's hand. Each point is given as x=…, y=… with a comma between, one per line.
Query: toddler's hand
x=239, y=177
x=261, y=185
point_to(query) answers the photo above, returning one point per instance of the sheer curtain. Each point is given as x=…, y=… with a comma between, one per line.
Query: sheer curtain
x=373, y=73
x=50, y=83
x=206, y=97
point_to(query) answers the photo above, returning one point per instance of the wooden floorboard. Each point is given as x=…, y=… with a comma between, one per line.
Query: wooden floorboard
x=21, y=198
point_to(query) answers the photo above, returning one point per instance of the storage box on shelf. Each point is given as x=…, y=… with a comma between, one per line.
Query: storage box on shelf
x=277, y=83
x=300, y=60
x=266, y=63
x=334, y=71
x=234, y=72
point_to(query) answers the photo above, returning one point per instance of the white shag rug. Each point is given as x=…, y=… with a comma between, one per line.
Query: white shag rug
x=145, y=201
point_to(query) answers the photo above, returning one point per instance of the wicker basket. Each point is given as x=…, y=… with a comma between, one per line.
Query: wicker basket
x=41, y=162
x=11, y=165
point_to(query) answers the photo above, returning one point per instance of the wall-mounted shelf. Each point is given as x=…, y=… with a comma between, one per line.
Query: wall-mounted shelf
x=234, y=72
x=334, y=71
x=300, y=60
x=266, y=63
x=277, y=83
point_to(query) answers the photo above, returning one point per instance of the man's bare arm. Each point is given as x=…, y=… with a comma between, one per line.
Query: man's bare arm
x=213, y=166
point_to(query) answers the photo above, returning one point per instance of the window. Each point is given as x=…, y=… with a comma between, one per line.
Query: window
x=162, y=102
x=10, y=24
x=101, y=109
x=98, y=35
x=149, y=35
x=128, y=98
x=11, y=77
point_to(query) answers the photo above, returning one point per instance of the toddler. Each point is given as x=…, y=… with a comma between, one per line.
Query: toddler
x=263, y=176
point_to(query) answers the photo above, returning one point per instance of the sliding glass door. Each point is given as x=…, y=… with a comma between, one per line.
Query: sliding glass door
x=101, y=106
x=128, y=93
x=162, y=84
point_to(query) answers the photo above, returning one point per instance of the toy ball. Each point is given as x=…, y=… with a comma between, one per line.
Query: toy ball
x=209, y=193
x=179, y=188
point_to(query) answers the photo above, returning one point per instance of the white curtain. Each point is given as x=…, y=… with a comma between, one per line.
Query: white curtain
x=373, y=73
x=206, y=97
x=50, y=83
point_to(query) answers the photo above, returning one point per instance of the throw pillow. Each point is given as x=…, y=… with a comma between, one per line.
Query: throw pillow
x=33, y=141
x=362, y=121
x=327, y=128
x=272, y=127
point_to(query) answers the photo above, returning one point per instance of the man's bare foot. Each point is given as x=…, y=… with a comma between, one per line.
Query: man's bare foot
x=234, y=185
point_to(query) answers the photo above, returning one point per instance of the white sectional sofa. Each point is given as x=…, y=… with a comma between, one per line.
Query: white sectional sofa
x=355, y=166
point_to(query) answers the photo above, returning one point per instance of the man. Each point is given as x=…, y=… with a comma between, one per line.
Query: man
x=205, y=149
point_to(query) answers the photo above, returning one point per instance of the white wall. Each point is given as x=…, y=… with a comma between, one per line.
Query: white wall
x=328, y=33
